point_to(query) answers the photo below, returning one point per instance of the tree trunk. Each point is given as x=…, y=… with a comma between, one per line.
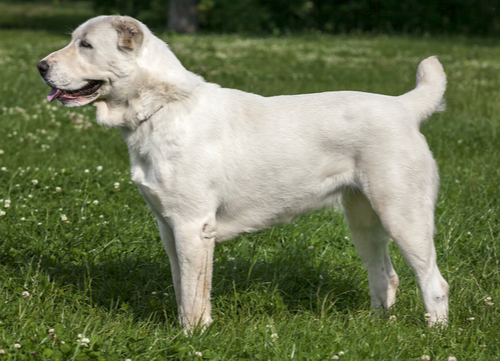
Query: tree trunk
x=182, y=16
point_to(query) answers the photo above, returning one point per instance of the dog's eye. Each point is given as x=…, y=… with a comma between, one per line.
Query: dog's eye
x=84, y=44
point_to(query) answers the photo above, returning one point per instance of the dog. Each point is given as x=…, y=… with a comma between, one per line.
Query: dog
x=213, y=163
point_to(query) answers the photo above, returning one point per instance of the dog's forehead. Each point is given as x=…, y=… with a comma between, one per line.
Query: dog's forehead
x=92, y=26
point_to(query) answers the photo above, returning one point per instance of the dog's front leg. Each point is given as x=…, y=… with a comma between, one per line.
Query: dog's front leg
x=168, y=240
x=194, y=249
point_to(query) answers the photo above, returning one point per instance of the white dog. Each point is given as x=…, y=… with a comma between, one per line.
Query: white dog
x=213, y=163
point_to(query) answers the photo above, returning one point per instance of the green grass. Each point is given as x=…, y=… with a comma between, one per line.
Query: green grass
x=297, y=291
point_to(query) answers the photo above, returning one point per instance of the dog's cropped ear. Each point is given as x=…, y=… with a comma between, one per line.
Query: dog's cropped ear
x=129, y=31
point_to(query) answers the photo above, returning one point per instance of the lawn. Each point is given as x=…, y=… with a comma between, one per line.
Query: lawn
x=83, y=274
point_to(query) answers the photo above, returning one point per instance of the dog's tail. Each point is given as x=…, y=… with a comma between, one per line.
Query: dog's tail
x=427, y=97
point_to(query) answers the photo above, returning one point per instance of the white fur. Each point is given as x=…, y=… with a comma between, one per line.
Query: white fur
x=213, y=163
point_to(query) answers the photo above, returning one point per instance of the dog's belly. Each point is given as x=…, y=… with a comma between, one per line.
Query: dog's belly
x=263, y=206
x=233, y=220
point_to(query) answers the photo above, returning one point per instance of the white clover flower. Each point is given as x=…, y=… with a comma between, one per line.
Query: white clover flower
x=4, y=169
x=198, y=353
x=1, y=151
x=470, y=319
x=117, y=185
x=7, y=203
x=452, y=358
x=2, y=352
x=23, y=219
x=99, y=168
x=427, y=316
x=2, y=213
x=274, y=336
x=16, y=345
x=58, y=189
x=392, y=318
x=335, y=357
x=51, y=330
x=83, y=341
x=26, y=294
x=95, y=202
x=35, y=182
x=64, y=218
x=86, y=171
x=231, y=259
x=425, y=358
x=341, y=353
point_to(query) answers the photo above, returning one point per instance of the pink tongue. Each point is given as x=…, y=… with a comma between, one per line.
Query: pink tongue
x=54, y=93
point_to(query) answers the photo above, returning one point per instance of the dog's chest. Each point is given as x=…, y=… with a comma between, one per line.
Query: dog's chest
x=153, y=172
x=153, y=184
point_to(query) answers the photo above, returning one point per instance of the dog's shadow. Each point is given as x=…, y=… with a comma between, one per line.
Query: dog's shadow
x=294, y=279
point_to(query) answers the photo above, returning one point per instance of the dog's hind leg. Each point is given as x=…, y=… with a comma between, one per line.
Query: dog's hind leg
x=404, y=203
x=371, y=242
x=411, y=226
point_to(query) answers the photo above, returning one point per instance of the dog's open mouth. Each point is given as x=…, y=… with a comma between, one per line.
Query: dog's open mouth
x=89, y=89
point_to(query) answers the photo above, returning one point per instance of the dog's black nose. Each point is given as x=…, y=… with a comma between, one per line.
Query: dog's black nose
x=43, y=67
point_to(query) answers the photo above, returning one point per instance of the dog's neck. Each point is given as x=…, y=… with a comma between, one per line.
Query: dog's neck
x=144, y=100
x=135, y=111
x=145, y=119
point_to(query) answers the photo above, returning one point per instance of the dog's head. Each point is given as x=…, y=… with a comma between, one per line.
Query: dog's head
x=118, y=65
x=98, y=56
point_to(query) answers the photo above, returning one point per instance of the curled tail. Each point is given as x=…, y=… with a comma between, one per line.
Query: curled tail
x=427, y=97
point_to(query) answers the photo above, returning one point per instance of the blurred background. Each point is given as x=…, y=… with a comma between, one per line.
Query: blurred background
x=261, y=17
